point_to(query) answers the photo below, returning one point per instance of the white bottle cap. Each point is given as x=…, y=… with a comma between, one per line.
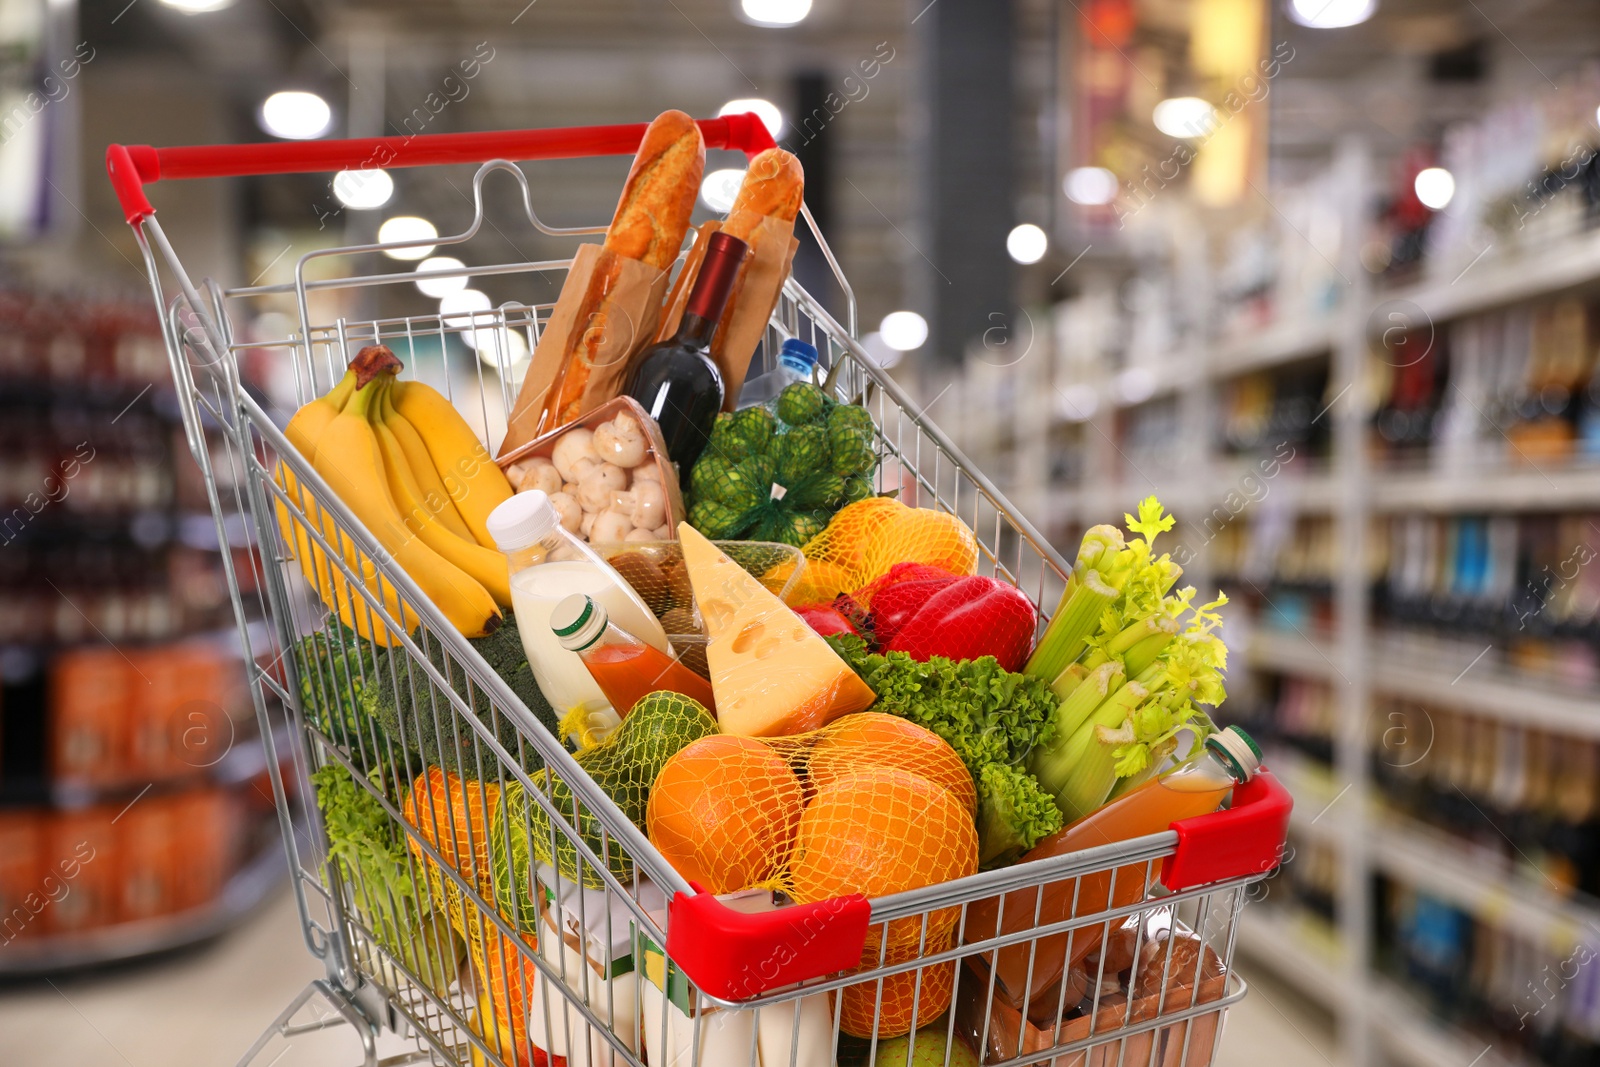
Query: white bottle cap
x=525, y=519
x=578, y=621
x=1238, y=750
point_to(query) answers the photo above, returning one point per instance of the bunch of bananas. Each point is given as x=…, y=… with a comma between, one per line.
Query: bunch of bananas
x=400, y=457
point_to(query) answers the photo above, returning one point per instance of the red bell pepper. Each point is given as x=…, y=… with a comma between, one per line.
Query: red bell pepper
x=969, y=618
x=825, y=619
x=900, y=594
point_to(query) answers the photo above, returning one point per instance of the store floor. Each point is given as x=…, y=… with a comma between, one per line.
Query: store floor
x=203, y=1008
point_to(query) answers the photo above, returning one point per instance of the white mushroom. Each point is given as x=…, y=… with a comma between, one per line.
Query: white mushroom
x=540, y=473
x=570, y=488
x=620, y=441
x=572, y=446
x=609, y=526
x=598, y=488
x=648, y=471
x=587, y=524
x=640, y=534
x=568, y=508
x=517, y=471
x=581, y=466
x=647, y=504
x=663, y=532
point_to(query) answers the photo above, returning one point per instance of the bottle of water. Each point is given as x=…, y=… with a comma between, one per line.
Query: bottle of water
x=795, y=360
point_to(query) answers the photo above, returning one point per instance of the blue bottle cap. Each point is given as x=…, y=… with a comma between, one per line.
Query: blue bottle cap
x=798, y=355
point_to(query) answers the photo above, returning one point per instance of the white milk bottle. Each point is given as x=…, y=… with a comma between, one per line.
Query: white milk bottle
x=549, y=564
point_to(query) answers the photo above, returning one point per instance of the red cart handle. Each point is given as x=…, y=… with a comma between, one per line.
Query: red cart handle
x=131, y=166
x=1243, y=841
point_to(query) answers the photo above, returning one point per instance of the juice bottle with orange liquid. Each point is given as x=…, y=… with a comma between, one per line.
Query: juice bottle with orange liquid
x=625, y=668
x=1197, y=787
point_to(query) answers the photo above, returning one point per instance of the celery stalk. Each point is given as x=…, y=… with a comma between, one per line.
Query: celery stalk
x=1049, y=763
x=1091, y=752
x=1143, y=655
x=1075, y=620
x=1068, y=680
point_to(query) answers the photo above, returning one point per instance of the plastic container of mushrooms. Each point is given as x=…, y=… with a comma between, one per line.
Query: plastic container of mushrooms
x=607, y=473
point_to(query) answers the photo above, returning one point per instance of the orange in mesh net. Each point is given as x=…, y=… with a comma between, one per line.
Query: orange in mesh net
x=868, y=804
x=880, y=830
x=723, y=812
x=868, y=537
x=453, y=815
x=504, y=980
x=901, y=1006
x=875, y=739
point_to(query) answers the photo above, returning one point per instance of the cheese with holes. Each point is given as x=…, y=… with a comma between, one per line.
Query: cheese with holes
x=770, y=671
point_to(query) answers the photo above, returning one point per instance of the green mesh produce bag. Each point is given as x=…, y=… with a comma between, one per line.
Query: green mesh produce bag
x=779, y=472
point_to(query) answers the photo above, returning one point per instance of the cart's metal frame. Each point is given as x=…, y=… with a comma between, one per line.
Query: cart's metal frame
x=376, y=980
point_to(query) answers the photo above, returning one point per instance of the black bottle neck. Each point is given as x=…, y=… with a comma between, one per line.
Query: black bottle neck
x=695, y=331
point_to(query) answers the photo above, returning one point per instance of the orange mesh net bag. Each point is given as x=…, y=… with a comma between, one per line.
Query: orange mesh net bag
x=868, y=804
x=868, y=537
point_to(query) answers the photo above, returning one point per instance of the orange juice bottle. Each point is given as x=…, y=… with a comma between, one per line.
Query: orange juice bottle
x=1197, y=787
x=624, y=667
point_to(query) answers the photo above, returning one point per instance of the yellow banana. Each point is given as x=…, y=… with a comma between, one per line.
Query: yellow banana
x=487, y=566
x=475, y=484
x=349, y=458
x=434, y=493
x=304, y=431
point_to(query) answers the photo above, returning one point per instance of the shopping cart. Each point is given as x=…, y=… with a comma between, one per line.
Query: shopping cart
x=620, y=962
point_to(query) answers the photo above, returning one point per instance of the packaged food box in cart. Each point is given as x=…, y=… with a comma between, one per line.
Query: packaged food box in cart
x=607, y=474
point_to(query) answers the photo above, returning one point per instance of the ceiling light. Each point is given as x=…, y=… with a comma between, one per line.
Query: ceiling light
x=501, y=349
x=1331, y=14
x=720, y=188
x=903, y=331
x=765, y=110
x=198, y=7
x=1027, y=243
x=296, y=116
x=407, y=228
x=775, y=12
x=460, y=309
x=441, y=287
x=363, y=189
x=879, y=351
x=1185, y=116
x=1090, y=185
x=1434, y=186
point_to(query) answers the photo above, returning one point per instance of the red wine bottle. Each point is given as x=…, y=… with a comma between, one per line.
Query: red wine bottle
x=676, y=380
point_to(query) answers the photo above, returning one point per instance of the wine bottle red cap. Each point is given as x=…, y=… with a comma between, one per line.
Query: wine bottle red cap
x=724, y=254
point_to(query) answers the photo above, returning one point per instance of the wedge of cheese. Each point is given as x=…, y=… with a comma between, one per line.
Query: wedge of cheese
x=770, y=672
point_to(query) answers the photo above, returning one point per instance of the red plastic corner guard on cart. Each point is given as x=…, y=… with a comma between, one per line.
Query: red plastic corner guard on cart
x=1245, y=840
x=735, y=955
x=132, y=166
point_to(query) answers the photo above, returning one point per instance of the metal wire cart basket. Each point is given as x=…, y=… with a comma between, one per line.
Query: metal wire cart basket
x=691, y=978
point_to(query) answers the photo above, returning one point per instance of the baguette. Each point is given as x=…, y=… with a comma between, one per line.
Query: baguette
x=773, y=185
x=653, y=215
x=651, y=220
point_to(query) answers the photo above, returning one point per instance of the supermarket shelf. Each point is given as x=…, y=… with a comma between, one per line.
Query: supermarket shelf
x=1413, y=1036
x=249, y=886
x=1283, y=343
x=1453, y=870
x=1292, y=653
x=1547, y=486
x=1504, y=279
x=1294, y=950
x=1495, y=694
